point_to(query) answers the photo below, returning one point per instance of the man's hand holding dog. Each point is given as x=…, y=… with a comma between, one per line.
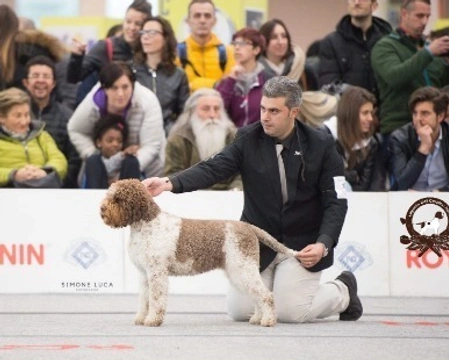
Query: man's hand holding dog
x=310, y=255
x=157, y=185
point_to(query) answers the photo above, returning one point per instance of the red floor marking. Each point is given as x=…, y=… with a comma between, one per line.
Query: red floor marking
x=111, y=347
x=426, y=323
x=391, y=323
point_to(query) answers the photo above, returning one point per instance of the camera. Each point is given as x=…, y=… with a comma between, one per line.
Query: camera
x=440, y=33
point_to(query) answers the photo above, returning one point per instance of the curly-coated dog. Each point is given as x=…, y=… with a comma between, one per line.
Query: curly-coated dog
x=162, y=244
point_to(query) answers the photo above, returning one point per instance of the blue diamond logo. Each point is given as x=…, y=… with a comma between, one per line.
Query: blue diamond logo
x=85, y=255
x=351, y=258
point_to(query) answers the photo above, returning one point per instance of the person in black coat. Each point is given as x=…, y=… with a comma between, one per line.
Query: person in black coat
x=345, y=53
x=41, y=85
x=155, y=68
x=309, y=220
x=85, y=68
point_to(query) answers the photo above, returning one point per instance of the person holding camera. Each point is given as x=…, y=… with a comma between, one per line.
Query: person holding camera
x=404, y=61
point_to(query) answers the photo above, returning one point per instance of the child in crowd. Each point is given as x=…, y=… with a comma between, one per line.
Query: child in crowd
x=111, y=163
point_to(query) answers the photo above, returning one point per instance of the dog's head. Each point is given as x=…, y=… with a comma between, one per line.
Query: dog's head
x=127, y=202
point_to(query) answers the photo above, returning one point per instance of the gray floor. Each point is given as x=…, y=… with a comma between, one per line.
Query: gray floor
x=196, y=327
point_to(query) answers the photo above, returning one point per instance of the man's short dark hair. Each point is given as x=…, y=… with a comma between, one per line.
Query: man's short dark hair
x=40, y=60
x=438, y=98
x=283, y=87
x=200, y=2
x=406, y=4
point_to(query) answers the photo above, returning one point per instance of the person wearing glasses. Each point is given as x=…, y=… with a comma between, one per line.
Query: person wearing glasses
x=40, y=84
x=404, y=61
x=202, y=54
x=241, y=90
x=155, y=68
x=345, y=53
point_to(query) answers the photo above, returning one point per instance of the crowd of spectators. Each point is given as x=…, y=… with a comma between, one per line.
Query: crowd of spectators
x=140, y=103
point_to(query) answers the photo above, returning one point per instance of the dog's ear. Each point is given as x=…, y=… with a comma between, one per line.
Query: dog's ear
x=135, y=202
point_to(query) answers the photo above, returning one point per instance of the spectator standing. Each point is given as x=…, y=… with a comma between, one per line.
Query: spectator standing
x=403, y=62
x=203, y=55
x=281, y=56
x=345, y=54
x=111, y=163
x=118, y=93
x=201, y=131
x=17, y=47
x=27, y=152
x=419, y=151
x=241, y=90
x=85, y=68
x=40, y=84
x=155, y=68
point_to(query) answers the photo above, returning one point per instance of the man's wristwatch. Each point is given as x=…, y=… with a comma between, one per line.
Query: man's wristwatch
x=326, y=250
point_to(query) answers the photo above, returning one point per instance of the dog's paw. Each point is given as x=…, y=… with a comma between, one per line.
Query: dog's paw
x=153, y=321
x=268, y=322
x=255, y=319
x=139, y=319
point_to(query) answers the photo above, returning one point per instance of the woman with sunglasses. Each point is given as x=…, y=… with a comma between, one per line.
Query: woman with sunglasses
x=155, y=68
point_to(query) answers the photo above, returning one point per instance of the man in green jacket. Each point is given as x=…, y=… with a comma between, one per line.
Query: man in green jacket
x=402, y=62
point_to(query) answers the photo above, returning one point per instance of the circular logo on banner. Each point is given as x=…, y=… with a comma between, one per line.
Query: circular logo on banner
x=427, y=223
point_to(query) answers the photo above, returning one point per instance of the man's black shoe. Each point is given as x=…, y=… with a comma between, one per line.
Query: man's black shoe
x=355, y=309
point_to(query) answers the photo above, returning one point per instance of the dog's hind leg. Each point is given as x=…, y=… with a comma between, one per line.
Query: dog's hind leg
x=157, y=295
x=248, y=280
x=143, y=300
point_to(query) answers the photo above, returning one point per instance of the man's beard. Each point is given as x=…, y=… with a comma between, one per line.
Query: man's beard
x=362, y=17
x=210, y=135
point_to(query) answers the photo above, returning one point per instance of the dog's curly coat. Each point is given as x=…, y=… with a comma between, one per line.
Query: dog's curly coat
x=162, y=244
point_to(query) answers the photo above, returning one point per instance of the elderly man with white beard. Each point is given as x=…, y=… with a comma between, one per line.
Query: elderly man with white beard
x=201, y=131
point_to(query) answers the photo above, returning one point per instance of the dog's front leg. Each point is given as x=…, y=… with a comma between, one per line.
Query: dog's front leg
x=158, y=290
x=143, y=300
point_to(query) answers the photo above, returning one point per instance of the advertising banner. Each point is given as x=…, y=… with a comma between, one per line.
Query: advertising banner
x=56, y=242
x=419, y=245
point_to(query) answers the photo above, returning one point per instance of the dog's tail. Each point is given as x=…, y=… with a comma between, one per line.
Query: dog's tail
x=271, y=242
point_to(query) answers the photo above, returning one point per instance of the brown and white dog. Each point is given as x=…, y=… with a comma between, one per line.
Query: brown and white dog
x=162, y=245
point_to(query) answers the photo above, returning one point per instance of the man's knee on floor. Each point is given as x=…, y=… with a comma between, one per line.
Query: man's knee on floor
x=293, y=314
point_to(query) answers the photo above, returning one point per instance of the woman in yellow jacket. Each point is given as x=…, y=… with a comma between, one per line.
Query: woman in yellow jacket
x=27, y=152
